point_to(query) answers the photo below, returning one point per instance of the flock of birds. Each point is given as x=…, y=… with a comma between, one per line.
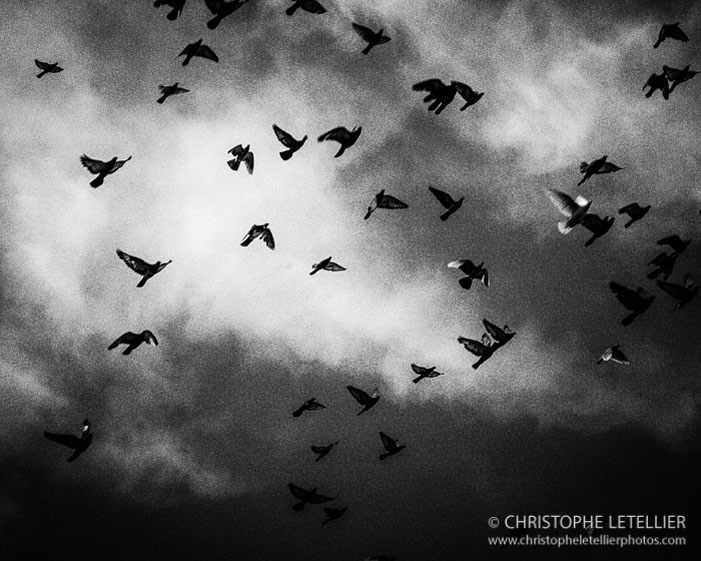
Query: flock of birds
x=439, y=96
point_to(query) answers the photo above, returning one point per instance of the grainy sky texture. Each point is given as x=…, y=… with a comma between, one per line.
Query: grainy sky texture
x=194, y=439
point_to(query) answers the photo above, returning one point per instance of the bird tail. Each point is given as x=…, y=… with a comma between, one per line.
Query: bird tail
x=212, y=23
x=629, y=319
x=161, y=99
x=173, y=14
x=417, y=379
x=368, y=213
x=41, y=73
x=466, y=283
x=286, y=154
x=292, y=9
x=297, y=413
x=446, y=214
x=366, y=50
x=600, y=361
x=629, y=223
x=95, y=183
x=186, y=60
x=657, y=44
x=142, y=282
x=340, y=152
x=128, y=350
x=386, y=455
x=590, y=241
x=113, y=345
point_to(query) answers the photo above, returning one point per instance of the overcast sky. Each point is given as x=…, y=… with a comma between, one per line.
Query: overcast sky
x=194, y=439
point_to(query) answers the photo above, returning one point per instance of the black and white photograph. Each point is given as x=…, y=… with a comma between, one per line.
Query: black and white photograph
x=350, y=280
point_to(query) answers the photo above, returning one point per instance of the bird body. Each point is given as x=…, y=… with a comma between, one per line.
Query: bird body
x=343, y=136
x=47, y=68
x=326, y=265
x=167, y=91
x=78, y=444
x=133, y=341
x=390, y=445
x=101, y=169
x=424, y=372
x=310, y=405
x=259, y=231
x=363, y=398
x=635, y=212
x=141, y=267
x=289, y=142
x=575, y=210
x=306, y=497
x=198, y=49
x=613, y=354
x=450, y=204
x=371, y=37
x=241, y=154
x=384, y=201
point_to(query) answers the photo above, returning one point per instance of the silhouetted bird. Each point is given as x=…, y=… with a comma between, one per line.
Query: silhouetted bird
x=241, y=154
x=198, y=49
x=363, y=398
x=47, y=68
x=439, y=96
x=473, y=272
x=333, y=514
x=484, y=349
x=670, y=31
x=221, y=9
x=635, y=211
x=262, y=231
x=133, y=340
x=636, y=301
x=390, y=445
x=311, y=6
x=343, y=136
x=139, y=266
x=657, y=82
x=322, y=451
x=177, y=6
x=306, y=497
x=447, y=201
x=597, y=226
x=677, y=76
x=682, y=293
x=597, y=167
x=101, y=169
x=326, y=265
x=675, y=242
x=372, y=38
x=310, y=405
x=467, y=93
x=665, y=265
x=78, y=444
x=575, y=210
x=424, y=372
x=167, y=91
x=384, y=201
x=500, y=335
x=289, y=142
x=615, y=355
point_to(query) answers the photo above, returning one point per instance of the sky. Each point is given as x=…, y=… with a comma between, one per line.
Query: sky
x=194, y=440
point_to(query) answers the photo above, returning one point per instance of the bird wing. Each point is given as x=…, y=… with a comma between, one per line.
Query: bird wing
x=632, y=207
x=267, y=237
x=319, y=449
x=248, y=160
x=475, y=347
x=334, y=267
x=118, y=164
x=69, y=440
x=94, y=166
x=360, y=396
x=674, y=290
x=251, y=235
x=420, y=369
x=134, y=263
x=150, y=338
x=298, y=492
x=284, y=137
x=563, y=202
x=365, y=32
x=314, y=405
x=497, y=333
x=629, y=298
x=206, y=52
x=433, y=85
x=312, y=6
x=388, y=201
x=465, y=265
x=42, y=65
x=444, y=198
x=316, y=498
x=675, y=32
x=608, y=167
x=671, y=241
x=339, y=134
x=213, y=5
x=124, y=338
x=465, y=91
x=388, y=442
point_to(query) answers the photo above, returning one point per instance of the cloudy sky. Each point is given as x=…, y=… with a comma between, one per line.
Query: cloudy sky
x=194, y=439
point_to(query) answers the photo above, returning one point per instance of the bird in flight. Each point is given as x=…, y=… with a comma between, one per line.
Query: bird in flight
x=682, y=293
x=262, y=231
x=599, y=166
x=657, y=82
x=597, y=226
x=675, y=242
x=177, y=6
x=665, y=265
x=363, y=398
x=310, y=405
x=384, y=201
x=221, y=9
x=424, y=372
x=333, y=514
x=311, y=6
x=78, y=444
x=306, y=497
x=483, y=349
x=473, y=272
x=467, y=93
x=47, y=68
x=575, y=210
x=450, y=204
x=500, y=335
x=167, y=91
x=636, y=301
x=241, y=154
x=670, y=31
x=322, y=451
x=613, y=354
x=343, y=136
x=198, y=49
x=101, y=169
x=439, y=95
x=678, y=75
x=289, y=142
x=326, y=265
x=372, y=38
x=133, y=340
x=635, y=212
x=390, y=445
x=146, y=270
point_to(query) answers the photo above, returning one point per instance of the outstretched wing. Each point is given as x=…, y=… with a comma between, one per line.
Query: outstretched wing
x=632, y=207
x=339, y=134
x=464, y=265
x=388, y=201
x=284, y=137
x=213, y=5
x=365, y=32
x=125, y=338
x=150, y=338
x=465, y=91
x=608, y=167
x=298, y=492
x=42, y=65
x=672, y=241
x=312, y=6
x=388, y=442
x=420, y=369
x=563, y=202
x=359, y=395
x=316, y=498
x=267, y=237
x=118, y=164
x=444, y=198
x=674, y=290
x=433, y=85
x=134, y=263
x=475, y=347
x=334, y=267
x=629, y=298
x=248, y=160
x=497, y=333
x=319, y=449
x=206, y=52
x=69, y=440
x=94, y=166
x=314, y=405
